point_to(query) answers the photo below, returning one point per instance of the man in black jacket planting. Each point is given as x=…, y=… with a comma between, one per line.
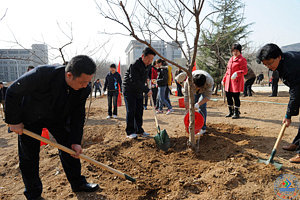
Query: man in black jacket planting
x=51, y=97
x=288, y=66
x=112, y=83
x=134, y=87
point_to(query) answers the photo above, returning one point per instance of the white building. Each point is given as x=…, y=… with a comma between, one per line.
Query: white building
x=14, y=62
x=170, y=50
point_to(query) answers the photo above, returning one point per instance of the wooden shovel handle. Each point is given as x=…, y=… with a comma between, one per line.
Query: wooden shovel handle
x=82, y=156
x=280, y=136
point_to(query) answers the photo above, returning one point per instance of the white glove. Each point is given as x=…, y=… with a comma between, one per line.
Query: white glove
x=196, y=106
x=234, y=75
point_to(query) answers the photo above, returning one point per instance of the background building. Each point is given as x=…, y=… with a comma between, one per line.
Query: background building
x=170, y=50
x=14, y=62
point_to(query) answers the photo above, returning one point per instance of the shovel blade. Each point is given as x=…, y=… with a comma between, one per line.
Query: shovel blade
x=267, y=162
x=162, y=140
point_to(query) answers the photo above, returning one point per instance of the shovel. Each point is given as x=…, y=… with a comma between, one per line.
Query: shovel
x=270, y=160
x=82, y=156
x=162, y=139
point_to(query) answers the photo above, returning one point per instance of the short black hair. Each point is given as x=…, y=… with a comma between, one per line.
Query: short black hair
x=199, y=80
x=236, y=46
x=30, y=68
x=267, y=52
x=81, y=64
x=1, y=83
x=113, y=66
x=147, y=51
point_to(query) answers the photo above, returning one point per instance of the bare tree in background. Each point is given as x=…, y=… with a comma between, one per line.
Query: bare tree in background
x=176, y=20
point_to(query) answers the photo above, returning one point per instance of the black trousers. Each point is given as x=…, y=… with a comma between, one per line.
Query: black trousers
x=179, y=89
x=275, y=86
x=233, y=96
x=154, y=95
x=112, y=98
x=248, y=87
x=97, y=89
x=134, y=112
x=145, y=99
x=167, y=95
x=29, y=149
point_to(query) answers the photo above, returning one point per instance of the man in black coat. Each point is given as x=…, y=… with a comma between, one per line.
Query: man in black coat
x=134, y=84
x=288, y=66
x=2, y=95
x=51, y=97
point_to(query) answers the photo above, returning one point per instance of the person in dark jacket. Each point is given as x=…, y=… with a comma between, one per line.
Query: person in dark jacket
x=51, y=97
x=2, y=97
x=134, y=86
x=153, y=73
x=250, y=79
x=162, y=82
x=287, y=64
x=260, y=78
x=112, y=83
x=275, y=80
x=97, y=86
x=179, y=87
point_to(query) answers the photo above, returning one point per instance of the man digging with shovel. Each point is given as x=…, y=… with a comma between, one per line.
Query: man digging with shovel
x=288, y=66
x=51, y=97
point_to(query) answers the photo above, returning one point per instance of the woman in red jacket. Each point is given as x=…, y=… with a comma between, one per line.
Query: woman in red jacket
x=233, y=80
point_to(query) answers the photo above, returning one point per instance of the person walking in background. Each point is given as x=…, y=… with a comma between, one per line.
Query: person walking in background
x=260, y=78
x=204, y=88
x=153, y=73
x=97, y=87
x=162, y=82
x=250, y=79
x=287, y=64
x=134, y=87
x=179, y=87
x=233, y=80
x=275, y=80
x=2, y=97
x=112, y=83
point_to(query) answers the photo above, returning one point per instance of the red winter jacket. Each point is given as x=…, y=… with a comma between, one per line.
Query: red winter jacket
x=239, y=65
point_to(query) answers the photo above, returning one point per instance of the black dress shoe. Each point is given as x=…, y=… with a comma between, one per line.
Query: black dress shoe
x=87, y=187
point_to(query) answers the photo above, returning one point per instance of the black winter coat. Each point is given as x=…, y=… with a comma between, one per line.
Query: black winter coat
x=289, y=72
x=162, y=79
x=42, y=95
x=135, y=78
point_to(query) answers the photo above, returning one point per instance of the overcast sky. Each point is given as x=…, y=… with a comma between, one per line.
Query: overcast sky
x=36, y=21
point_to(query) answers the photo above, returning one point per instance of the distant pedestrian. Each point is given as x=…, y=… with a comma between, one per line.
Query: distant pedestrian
x=134, y=87
x=250, y=79
x=274, y=82
x=260, y=78
x=112, y=83
x=97, y=87
x=162, y=82
x=234, y=80
x=146, y=95
x=179, y=87
x=2, y=97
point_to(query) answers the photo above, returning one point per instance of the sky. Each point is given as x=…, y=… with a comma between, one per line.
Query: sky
x=42, y=21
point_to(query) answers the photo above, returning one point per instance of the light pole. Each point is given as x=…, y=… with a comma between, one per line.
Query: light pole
x=18, y=75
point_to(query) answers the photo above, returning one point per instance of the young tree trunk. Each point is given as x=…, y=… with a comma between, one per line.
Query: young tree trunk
x=216, y=88
x=191, y=113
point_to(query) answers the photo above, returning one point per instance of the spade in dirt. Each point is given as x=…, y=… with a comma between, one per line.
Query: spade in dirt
x=270, y=160
x=162, y=139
